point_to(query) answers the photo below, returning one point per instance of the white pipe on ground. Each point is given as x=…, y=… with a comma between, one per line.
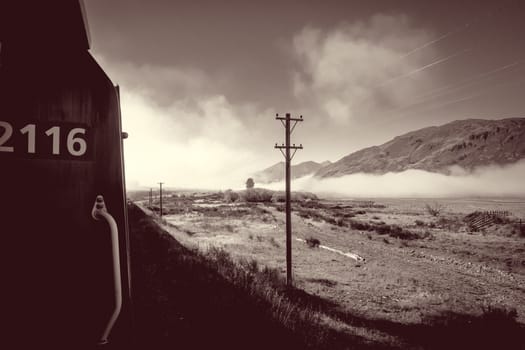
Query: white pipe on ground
x=348, y=255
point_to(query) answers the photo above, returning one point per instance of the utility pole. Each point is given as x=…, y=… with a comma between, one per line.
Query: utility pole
x=287, y=147
x=160, y=193
x=151, y=198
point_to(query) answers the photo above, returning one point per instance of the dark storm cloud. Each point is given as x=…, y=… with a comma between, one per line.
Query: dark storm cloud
x=211, y=74
x=241, y=44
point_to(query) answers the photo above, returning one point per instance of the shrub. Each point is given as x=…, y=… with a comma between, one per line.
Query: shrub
x=254, y=195
x=279, y=197
x=304, y=214
x=274, y=243
x=230, y=196
x=250, y=183
x=359, y=225
x=251, y=196
x=434, y=209
x=311, y=203
x=398, y=232
x=313, y=242
x=419, y=223
x=521, y=229
x=383, y=229
x=300, y=197
x=452, y=225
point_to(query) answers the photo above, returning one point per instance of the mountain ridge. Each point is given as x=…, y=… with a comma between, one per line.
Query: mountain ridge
x=468, y=143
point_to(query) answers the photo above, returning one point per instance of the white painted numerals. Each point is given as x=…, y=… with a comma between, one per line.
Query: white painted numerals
x=75, y=145
x=55, y=133
x=30, y=130
x=73, y=141
x=5, y=136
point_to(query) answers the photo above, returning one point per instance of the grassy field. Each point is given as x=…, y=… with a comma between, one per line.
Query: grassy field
x=421, y=280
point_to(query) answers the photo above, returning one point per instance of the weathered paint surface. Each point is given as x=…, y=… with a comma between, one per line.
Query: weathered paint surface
x=58, y=284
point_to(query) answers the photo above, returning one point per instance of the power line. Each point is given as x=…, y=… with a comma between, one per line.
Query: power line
x=432, y=42
x=417, y=70
x=458, y=29
x=458, y=100
x=445, y=90
x=452, y=87
x=286, y=121
x=475, y=95
x=480, y=18
x=442, y=91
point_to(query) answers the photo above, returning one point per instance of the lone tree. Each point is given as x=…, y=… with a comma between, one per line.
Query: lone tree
x=250, y=183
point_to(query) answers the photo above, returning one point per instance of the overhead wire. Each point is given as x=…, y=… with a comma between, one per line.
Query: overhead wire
x=429, y=65
x=445, y=90
x=469, y=97
x=480, y=18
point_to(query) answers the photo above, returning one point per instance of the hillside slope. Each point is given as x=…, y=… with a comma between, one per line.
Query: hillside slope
x=276, y=172
x=187, y=299
x=467, y=143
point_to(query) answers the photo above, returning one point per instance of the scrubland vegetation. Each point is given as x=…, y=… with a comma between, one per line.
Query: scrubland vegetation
x=209, y=298
x=390, y=274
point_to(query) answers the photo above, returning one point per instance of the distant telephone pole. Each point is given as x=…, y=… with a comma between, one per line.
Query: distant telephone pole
x=160, y=194
x=286, y=121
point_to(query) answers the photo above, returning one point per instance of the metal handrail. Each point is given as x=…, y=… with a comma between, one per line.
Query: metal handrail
x=100, y=212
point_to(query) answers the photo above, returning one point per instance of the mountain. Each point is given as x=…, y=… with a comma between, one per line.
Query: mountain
x=467, y=143
x=276, y=172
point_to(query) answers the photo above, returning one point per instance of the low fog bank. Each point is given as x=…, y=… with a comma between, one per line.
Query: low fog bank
x=490, y=181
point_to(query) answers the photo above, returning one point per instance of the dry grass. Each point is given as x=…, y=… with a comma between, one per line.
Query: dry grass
x=402, y=304
x=181, y=294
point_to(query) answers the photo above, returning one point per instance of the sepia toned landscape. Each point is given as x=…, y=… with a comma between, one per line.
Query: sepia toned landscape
x=378, y=269
x=260, y=175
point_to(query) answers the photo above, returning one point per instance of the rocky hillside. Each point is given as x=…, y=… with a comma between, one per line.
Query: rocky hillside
x=466, y=143
x=276, y=172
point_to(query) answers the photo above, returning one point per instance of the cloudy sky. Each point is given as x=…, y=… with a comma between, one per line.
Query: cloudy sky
x=201, y=81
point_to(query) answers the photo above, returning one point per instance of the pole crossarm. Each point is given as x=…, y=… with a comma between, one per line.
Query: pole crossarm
x=289, y=147
x=300, y=119
x=294, y=147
